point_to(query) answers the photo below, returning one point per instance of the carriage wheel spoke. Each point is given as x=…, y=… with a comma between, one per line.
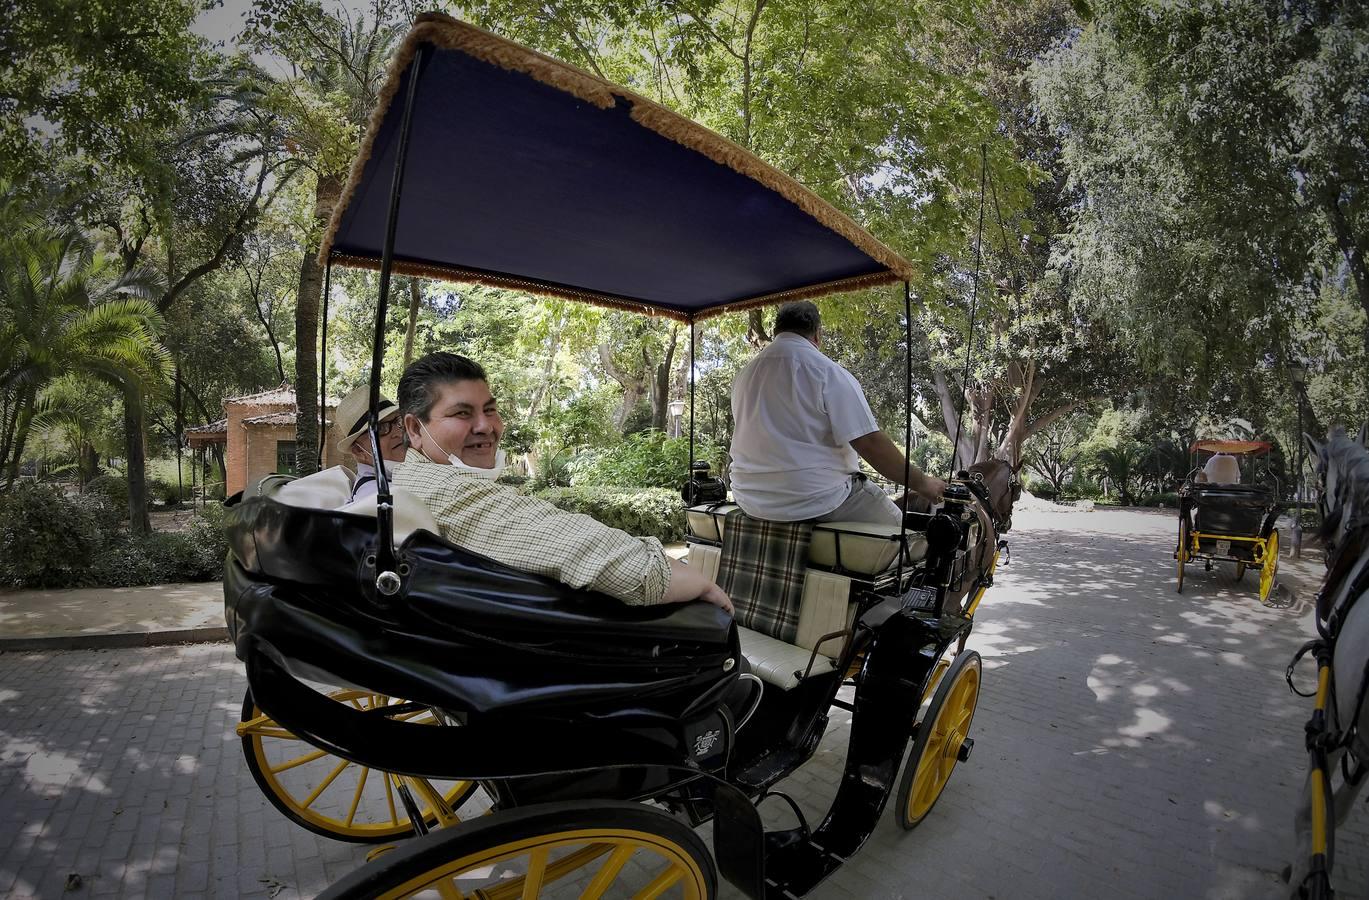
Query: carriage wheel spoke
x=390, y=799
x=323, y=786
x=447, y=888
x=297, y=761
x=356, y=798
x=608, y=872
x=660, y=884
x=537, y=871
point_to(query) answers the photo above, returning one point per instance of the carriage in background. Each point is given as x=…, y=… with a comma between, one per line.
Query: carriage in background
x=1228, y=515
x=599, y=734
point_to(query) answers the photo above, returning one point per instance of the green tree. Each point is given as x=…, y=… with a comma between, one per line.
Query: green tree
x=339, y=64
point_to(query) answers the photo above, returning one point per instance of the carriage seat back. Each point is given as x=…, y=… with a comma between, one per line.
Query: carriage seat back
x=853, y=548
x=331, y=489
x=1229, y=509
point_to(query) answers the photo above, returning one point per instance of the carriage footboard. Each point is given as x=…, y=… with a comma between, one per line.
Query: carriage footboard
x=904, y=648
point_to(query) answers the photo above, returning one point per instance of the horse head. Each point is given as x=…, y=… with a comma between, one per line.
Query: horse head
x=1342, y=466
x=1000, y=483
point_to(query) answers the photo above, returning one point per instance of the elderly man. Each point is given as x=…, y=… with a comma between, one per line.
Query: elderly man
x=355, y=409
x=452, y=425
x=802, y=426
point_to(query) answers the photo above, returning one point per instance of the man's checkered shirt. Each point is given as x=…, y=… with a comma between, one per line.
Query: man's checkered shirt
x=530, y=534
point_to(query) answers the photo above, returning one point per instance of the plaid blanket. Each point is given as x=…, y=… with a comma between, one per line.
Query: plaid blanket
x=762, y=569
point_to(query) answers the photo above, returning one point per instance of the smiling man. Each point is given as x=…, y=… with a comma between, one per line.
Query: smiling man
x=452, y=425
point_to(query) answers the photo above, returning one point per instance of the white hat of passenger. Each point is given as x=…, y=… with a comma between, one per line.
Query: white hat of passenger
x=354, y=413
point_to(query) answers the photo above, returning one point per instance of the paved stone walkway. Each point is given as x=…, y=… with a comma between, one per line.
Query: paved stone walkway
x=1131, y=742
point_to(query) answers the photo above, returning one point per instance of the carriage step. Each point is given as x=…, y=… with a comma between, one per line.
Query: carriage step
x=966, y=747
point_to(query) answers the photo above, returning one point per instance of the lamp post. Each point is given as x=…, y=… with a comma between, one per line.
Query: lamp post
x=1297, y=374
x=676, y=408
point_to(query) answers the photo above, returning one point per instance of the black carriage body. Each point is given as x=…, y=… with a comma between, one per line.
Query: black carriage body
x=1231, y=511
x=521, y=660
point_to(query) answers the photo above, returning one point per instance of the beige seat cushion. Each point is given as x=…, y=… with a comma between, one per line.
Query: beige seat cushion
x=866, y=547
x=826, y=609
x=328, y=489
x=331, y=489
x=776, y=662
x=705, y=558
x=410, y=513
x=706, y=521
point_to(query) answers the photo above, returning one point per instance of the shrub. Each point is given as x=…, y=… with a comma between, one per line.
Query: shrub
x=165, y=493
x=645, y=460
x=1168, y=499
x=46, y=538
x=112, y=487
x=651, y=512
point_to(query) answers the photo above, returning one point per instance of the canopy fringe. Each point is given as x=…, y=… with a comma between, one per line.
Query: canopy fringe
x=625, y=304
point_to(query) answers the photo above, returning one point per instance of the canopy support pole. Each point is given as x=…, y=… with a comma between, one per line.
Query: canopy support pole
x=387, y=579
x=323, y=363
x=690, y=473
x=907, y=424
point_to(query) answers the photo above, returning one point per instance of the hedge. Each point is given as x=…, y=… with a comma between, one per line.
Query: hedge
x=653, y=512
x=51, y=540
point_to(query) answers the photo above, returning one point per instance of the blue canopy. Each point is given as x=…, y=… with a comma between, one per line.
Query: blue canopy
x=527, y=173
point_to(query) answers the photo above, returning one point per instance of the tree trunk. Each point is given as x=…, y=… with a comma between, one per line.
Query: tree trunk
x=660, y=383
x=1352, y=250
x=307, y=302
x=634, y=387
x=951, y=417
x=756, y=335
x=138, y=521
x=21, y=435
x=415, y=301
x=548, y=368
x=306, y=364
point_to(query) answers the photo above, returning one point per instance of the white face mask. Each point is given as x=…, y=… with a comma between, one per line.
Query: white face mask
x=491, y=473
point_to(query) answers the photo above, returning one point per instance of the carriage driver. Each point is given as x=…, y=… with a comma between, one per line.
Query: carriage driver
x=452, y=426
x=802, y=427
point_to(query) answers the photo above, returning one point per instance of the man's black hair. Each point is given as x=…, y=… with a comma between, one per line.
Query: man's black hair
x=424, y=377
x=799, y=316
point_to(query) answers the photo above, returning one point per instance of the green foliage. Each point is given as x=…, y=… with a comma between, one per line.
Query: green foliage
x=47, y=538
x=646, y=459
x=657, y=513
x=114, y=488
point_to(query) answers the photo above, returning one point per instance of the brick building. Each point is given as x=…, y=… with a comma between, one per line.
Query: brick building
x=259, y=433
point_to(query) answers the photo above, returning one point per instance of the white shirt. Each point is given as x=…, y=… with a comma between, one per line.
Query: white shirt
x=796, y=413
x=365, y=484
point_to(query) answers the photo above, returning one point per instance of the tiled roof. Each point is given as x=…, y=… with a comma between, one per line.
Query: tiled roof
x=284, y=394
x=280, y=418
x=219, y=427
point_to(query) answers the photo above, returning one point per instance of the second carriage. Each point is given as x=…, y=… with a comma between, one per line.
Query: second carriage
x=1227, y=512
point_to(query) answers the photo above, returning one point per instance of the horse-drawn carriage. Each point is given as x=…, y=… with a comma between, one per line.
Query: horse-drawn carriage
x=598, y=734
x=1337, y=734
x=1225, y=515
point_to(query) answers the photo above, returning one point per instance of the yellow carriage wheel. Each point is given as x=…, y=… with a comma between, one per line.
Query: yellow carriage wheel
x=337, y=798
x=1270, y=566
x=586, y=850
x=940, y=741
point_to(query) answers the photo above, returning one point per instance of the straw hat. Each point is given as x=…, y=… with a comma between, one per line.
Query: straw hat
x=354, y=410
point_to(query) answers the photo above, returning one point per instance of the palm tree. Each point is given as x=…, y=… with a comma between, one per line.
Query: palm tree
x=68, y=309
